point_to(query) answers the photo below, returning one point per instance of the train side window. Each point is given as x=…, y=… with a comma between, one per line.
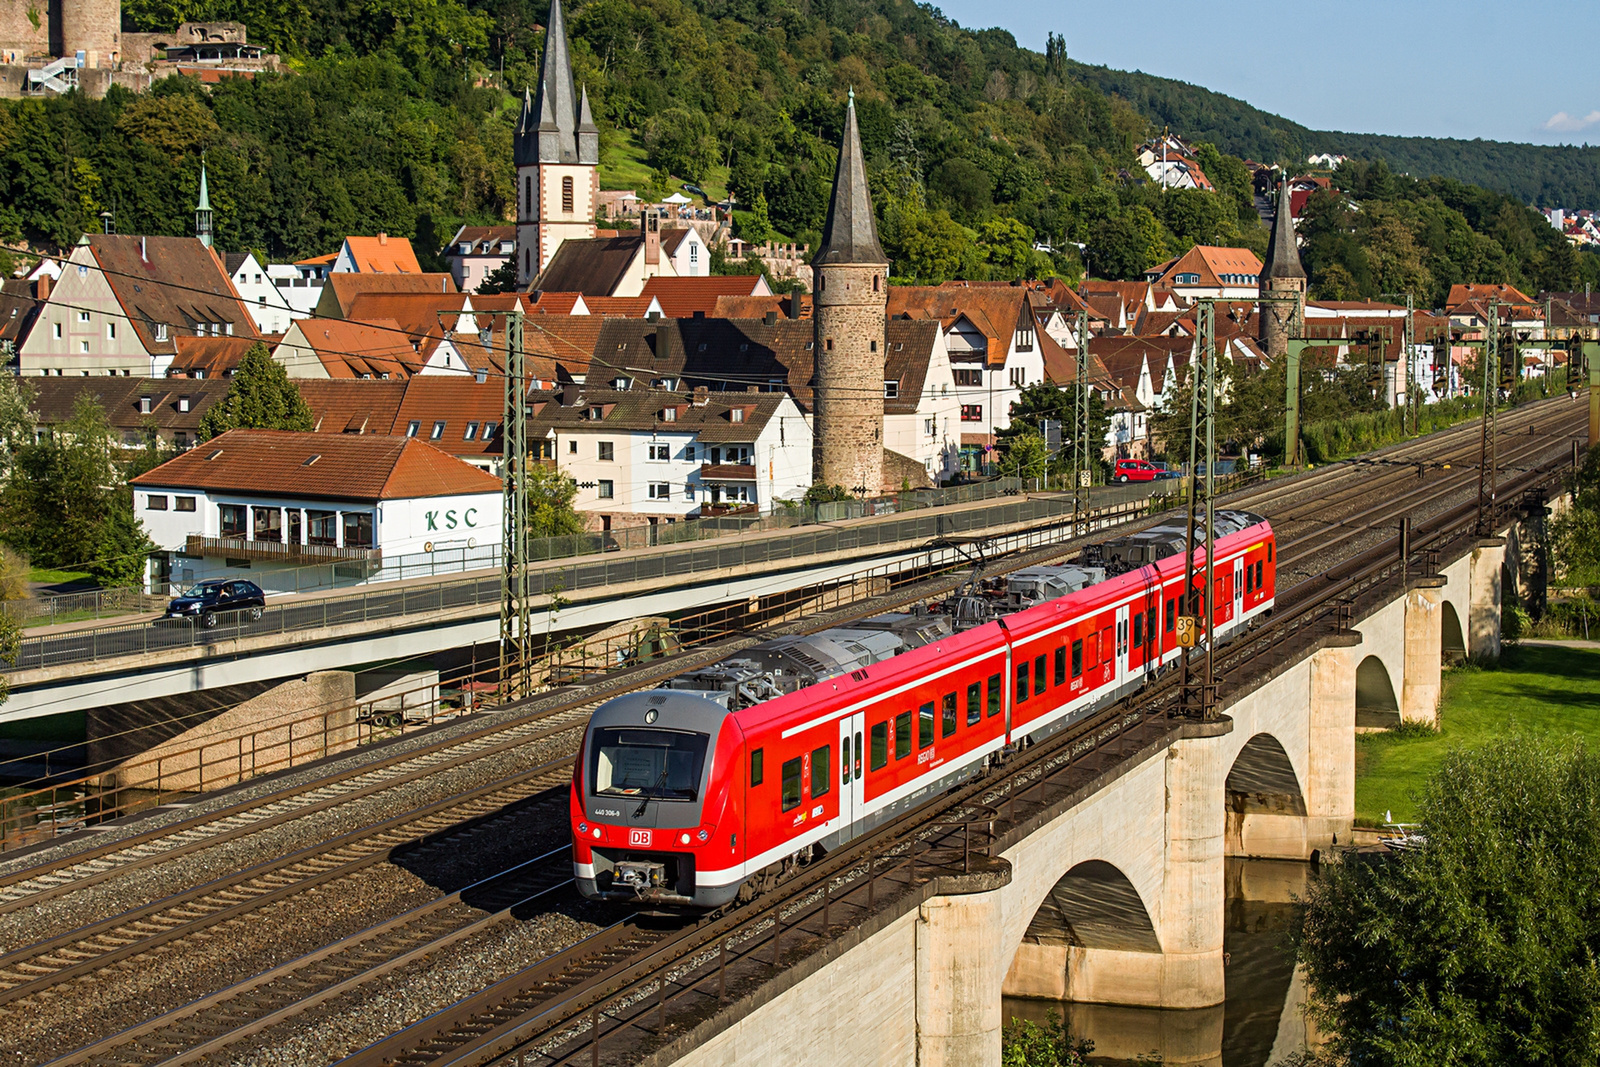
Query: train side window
x=1250, y=578
x=948, y=726
x=1061, y=665
x=1038, y=675
x=1269, y=553
x=880, y=746
x=925, y=725
x=1077, y=657
x=974, y=703
x=902, y=735
x=758, y=763
x=1022, y=680
x=844, y=760
x=821, y=770
x=1258, y=574
x=791, y=784
x=1172, y=613
x=1138, y=630
x=1150, y=625
x=994, y=694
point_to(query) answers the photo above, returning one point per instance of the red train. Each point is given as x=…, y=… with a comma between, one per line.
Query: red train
x=737, y=772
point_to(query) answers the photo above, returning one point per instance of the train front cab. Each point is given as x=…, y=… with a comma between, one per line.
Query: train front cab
x=652, y=800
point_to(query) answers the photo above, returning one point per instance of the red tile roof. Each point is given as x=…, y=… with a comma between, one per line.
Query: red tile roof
x=320, y=466
x=350, y=349
x=383, y=255
x=681, y=297
x=341, y=289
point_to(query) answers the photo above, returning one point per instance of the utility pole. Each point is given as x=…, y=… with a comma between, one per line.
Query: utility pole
x=1080, y=456
x=1409, y=416
x=516, y=639
x=1198, y=691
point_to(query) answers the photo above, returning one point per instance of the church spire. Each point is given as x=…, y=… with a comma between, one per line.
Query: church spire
x=202, y=209
x=551, y=129
x=1283, y=254
x=850, y=234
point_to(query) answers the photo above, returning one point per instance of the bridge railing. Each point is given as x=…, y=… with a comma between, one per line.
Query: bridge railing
x=387, y=604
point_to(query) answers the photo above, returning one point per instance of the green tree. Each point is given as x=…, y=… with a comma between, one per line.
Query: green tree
x=820, y=493
x=1045, y=401
x=1575, y=532
x=16, y=419
x=1029, y=1044
x=756, y=227
x=261, y=397
x=503, y=279
x=550, y=510
x=1008, y=246
x=1480, y=949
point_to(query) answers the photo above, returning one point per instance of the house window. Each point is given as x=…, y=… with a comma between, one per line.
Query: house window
x=736, y=415
x=607, y=489
x=968, y=376
x=660, y=491
x=233, y=519
x=694, y=253
x=472, y=432
x=971, y=412
x=412, y=427
x=572, y=448
x=157, y=502
x=83, y=348
x=57, y=330
x=438, y=430
x=930, y=426
x=183, y=503
x=83, y=317
x=358, y=529
x=688, y=453
x=267, y=523
x=1018, y=376
x=566, y=194
x=161, y=331
x=111, y=331
x=489, y=429
x=891, y=390
x=1025, y=340
x=660, y=451
x=180, y=441
x=322, y=527
x=606, y=451
x=621, y=384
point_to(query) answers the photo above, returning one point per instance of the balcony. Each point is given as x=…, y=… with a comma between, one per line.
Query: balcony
x=239, y=548
x=727, y=472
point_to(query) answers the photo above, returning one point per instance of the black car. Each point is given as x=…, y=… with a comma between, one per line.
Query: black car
x=206, y=601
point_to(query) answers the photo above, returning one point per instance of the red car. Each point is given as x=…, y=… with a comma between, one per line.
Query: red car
x=1138, y=470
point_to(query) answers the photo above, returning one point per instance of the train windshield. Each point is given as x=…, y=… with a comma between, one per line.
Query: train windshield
x=664, y=764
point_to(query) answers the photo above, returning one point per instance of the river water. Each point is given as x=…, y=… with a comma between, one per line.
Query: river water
x=1259, y=1024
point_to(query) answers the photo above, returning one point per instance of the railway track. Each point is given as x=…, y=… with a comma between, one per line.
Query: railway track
x=521, y=1012
x=210, y=1024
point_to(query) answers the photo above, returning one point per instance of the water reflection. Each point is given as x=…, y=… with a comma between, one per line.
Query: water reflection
x=1261, y=1021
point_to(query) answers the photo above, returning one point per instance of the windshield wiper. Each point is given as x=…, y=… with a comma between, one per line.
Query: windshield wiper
x=649, y=794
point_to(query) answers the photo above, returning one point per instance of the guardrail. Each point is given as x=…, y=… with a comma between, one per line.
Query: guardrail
x=380, y=604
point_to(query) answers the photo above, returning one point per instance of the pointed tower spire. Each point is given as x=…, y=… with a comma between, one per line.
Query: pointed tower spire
x=588, y=132
x=202, y=210
x=1283, y=253
x=525, y=142
x=850, y=234
x=558, y=97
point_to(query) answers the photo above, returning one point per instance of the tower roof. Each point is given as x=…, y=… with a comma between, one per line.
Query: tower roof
x=1283, y=254
x=552, y=126
x=205, y=194
x=851, y=234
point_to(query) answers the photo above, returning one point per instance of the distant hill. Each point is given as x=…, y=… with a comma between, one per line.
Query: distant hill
x=1548, y=176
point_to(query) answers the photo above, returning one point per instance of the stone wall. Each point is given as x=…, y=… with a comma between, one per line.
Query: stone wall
x=848, y=323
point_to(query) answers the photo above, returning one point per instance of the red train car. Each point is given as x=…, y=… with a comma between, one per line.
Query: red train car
x=738, y=772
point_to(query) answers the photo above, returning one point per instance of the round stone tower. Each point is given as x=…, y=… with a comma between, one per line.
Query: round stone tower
x=848, y=322
x=93, y=26
x=1282, y=276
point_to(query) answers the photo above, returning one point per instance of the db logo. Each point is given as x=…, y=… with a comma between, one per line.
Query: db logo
x=641, y=838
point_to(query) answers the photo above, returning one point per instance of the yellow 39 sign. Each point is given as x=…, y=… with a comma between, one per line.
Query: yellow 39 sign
x=1188, y=631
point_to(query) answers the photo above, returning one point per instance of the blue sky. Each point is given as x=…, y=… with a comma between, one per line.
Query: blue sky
x=1504, y=72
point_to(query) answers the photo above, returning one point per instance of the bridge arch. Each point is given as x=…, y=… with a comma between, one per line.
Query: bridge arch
x=1094, y=906
x=1452, y=636
x=1266, y=805
x=1376, y=705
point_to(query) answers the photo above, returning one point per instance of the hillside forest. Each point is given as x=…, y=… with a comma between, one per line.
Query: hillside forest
x=398, y=118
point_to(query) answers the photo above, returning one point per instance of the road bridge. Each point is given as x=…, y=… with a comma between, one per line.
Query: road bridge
x=115, y=664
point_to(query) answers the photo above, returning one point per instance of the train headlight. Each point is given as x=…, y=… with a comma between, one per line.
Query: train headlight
x=683, y=839
x=583, y=828
x=597, y=833
x=703, y=835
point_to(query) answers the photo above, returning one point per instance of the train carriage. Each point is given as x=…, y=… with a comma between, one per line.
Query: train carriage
x=737, y=772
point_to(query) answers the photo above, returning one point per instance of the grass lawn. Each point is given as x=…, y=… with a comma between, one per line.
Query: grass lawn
x=49, y=577
x=1535, y=688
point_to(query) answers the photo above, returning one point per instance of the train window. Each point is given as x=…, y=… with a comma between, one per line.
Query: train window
x=1061, y=666
x=1150, y=624
x=821, y=770
x=1038, y=675
x=1022, y=681
x=1138, y=630
x=1077, y=657
x=974, y=703
x=1172, y=613
x=925, y=725
x=902, y=735
x=880, y=746
x=1258, y=574
x=1250, y=578
x=948, y=715
x=1269, y=553
x=858, y=753
x=994, y=694
x=791, y=784
x=758, y=760
x=844, y=760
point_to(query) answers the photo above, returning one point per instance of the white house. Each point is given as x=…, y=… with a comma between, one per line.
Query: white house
x=252, y=502
x=269, y=305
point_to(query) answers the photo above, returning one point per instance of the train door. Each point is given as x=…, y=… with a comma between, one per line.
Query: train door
x=1122, y=642
x=1238, y=589
x=852, y=794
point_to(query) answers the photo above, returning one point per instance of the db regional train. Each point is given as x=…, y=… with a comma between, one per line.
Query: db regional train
x=712, y=788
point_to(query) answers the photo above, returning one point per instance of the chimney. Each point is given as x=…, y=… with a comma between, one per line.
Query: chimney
x=794, y=305
x=569, y=395
x=41, y=287
x=143, y=254
x=480, y=375
x=771, y=318
x=652, y=237
x=383, y=238
x=702, y=396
